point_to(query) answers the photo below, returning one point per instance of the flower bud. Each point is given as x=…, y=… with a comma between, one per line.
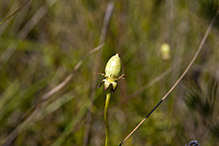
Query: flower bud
x=165, y=49
x=112, y=71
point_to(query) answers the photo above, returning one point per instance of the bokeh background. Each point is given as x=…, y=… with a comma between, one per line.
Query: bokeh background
x=43, y=42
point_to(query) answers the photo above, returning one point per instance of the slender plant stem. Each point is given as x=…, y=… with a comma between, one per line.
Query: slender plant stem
x=180, y=78
x=103, y=34
x=108, y=95
x=12, y=14
x=29, y=116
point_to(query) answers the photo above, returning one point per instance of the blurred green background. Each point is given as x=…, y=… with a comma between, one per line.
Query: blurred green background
x=43, y=42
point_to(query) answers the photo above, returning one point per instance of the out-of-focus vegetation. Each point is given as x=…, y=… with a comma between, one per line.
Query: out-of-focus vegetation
x=41, y=44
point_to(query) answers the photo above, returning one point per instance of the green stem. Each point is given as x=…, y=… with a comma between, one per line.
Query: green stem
x=106, y=118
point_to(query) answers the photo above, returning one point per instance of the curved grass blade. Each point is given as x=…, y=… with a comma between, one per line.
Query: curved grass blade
x=180, y=78
x=12, y=14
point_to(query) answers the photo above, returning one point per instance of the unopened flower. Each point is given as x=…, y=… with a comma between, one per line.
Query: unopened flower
x=165, y=50
x=112, y=71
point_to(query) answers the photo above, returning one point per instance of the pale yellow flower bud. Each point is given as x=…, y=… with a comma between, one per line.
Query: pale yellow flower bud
x=112, y=71
x=165, y=50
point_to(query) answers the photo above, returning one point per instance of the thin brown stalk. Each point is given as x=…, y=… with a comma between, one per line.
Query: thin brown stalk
x=35, y=109
x=180, y=78
x=25, y=30
x=63, y=83
x=106, y=20
x=12, y=14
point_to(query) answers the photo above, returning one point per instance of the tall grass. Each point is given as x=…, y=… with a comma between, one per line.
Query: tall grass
x=43, y=42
